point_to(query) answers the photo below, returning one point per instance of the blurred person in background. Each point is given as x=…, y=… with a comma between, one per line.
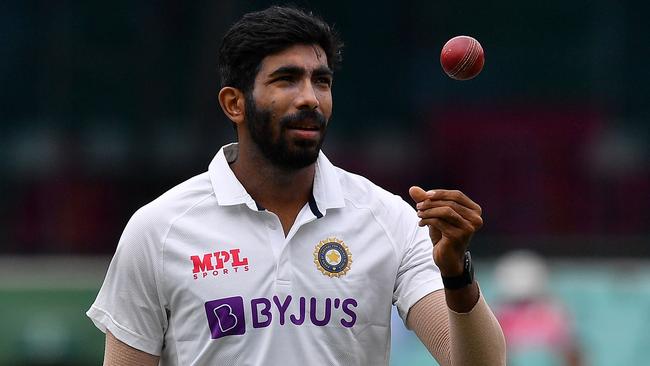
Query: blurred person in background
x=252, y=261
x=537, y=327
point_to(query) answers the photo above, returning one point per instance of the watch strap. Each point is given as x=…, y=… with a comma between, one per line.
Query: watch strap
x=462, y=280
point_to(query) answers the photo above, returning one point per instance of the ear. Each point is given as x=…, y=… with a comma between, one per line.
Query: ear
x=232, y=102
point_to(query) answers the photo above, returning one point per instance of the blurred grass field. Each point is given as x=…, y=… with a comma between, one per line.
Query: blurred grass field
x=47, y=326
x=42, y=310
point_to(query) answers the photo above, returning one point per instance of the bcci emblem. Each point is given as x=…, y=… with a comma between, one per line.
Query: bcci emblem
x=332, y=257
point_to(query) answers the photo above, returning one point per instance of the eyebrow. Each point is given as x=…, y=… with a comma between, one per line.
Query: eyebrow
x=297, y=70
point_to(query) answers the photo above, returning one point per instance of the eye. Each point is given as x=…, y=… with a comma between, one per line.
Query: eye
x=283, y=79
x=324, y=80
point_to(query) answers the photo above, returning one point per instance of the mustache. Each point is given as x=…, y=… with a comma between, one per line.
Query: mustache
x=311, y=116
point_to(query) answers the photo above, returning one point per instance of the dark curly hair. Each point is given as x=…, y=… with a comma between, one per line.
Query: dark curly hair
x=262, y=33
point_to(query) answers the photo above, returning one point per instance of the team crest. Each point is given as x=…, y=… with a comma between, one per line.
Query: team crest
x=332, y=257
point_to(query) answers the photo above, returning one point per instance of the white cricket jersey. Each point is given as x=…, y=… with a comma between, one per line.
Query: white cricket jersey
x=205, y=276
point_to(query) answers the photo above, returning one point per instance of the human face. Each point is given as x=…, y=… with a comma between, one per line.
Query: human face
x=290, y=106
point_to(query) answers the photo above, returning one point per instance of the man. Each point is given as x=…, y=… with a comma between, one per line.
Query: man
x=276, y=257
x=537, y=326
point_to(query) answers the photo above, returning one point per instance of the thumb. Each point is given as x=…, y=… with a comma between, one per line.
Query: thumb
x=417, y=194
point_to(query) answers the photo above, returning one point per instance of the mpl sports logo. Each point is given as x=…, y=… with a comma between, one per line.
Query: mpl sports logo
x=214, y=264
x=227, y=316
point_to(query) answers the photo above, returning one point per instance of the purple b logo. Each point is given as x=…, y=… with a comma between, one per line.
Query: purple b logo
x=226, y=316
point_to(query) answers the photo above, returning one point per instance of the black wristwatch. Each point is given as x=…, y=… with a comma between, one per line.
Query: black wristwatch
x=462, y=280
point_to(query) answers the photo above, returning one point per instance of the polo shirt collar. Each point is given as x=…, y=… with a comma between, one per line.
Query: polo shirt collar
x=327, y=191
x=227, y=189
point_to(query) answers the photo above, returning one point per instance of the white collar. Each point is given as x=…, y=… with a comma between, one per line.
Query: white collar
x=327, y=191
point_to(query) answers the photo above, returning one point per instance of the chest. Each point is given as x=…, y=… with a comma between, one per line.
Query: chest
x=338, y=270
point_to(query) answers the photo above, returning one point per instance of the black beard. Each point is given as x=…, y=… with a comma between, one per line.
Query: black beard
x=280, y=152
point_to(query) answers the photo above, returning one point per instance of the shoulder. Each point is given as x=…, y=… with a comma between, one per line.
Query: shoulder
x=157, y=216
x=390, y=211
x=363, y=193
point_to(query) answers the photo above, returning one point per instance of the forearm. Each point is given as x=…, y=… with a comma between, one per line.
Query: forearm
x=463, y=300
x=471, y=338
x=476, y=337
x=118, y=353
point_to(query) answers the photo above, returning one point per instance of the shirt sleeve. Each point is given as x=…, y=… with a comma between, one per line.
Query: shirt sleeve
x=417, y=275
x=129, y=304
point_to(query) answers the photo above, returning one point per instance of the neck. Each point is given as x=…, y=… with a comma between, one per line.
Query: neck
x=273, y=187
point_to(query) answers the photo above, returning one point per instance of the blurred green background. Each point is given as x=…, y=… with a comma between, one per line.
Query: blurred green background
x=104, y=106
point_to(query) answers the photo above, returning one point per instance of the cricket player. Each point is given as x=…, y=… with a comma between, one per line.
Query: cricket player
x=275, y=256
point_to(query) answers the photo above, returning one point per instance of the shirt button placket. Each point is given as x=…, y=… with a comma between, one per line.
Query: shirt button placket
x=276, y=237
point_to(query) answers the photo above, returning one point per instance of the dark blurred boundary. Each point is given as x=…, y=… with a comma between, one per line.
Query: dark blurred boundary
x=105, y=106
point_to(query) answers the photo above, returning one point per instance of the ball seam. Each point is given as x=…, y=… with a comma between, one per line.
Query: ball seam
x=468, y=58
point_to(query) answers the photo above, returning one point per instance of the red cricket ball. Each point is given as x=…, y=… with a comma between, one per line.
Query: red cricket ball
x=462, y=58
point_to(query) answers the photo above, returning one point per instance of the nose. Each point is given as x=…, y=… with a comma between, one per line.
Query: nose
x=307, y=98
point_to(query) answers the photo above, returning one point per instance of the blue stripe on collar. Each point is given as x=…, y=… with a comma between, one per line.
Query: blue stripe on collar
x=259, y=207
x=314, y=207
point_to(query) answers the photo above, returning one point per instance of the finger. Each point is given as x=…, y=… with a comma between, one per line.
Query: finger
x=434, y=234
x=418, y=194
x=473, y=216
x=448, y=230
x=447, y=214
x=454, y=195
x=473, y=220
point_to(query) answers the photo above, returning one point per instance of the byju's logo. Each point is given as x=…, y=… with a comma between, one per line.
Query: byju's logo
x=226, y=316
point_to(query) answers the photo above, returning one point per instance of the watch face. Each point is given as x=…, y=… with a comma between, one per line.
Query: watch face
x=469, y=268
x=468, y=261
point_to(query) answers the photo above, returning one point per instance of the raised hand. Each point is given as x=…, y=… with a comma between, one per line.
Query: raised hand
x=452, y=219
